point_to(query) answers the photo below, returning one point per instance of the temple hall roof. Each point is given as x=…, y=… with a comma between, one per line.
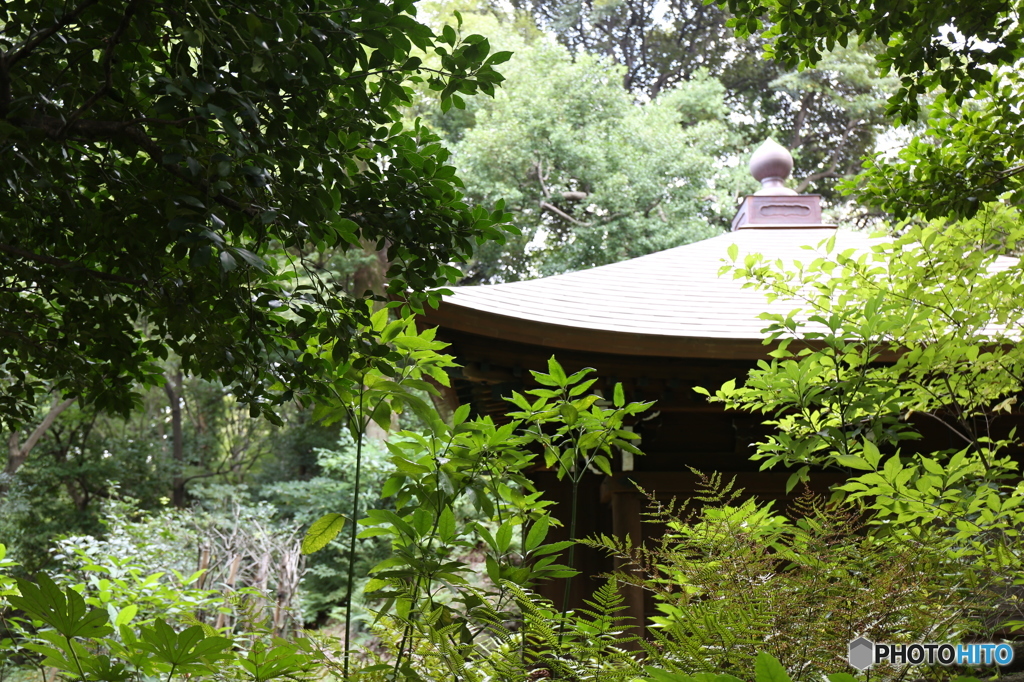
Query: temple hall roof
x=671, y=303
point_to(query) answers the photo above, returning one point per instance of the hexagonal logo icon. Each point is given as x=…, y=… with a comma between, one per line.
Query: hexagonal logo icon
x=862, y=653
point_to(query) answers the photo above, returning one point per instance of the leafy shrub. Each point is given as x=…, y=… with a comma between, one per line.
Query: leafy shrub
x=299, y=503
x=119, y=630
x=64, y=631
x=734, y=578
x=232, y=544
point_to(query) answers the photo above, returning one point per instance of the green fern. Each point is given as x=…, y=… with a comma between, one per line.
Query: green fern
x=594, y=644
x=733, y=579
x=526, y=640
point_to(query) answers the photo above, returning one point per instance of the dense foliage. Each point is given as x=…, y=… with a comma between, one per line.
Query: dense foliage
x=920, y=331
x=659, y=47
x=828, y=116
x=733, y=578
x=171, y=171
x=590, y=176
x=966, y=56
x=946, y=46
x=732, y=583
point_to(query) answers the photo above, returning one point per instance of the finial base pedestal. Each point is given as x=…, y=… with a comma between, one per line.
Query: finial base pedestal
x=779, y=211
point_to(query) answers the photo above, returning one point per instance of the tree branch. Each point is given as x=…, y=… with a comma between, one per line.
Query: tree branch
x=172, y=388
x=796, y=138
x=128, y=131
x=14, y=56
x=656, y=204
x=834, y=158
x=16, y=454
x=5, y=88
x=108, y=58
x=539, y=168
x=69, y=265
x=608, y=219
x=551, y=208
x=1010, y=172
x=814, y=177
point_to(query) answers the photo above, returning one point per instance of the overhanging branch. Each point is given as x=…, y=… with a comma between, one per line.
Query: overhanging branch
x=128, y=132
x=15, y=55
x=108, y=59
x=65, y=265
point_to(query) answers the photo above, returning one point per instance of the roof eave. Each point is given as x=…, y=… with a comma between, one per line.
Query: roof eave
x=492, y=325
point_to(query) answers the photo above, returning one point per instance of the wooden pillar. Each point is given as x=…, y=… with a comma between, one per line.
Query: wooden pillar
x=627, y=522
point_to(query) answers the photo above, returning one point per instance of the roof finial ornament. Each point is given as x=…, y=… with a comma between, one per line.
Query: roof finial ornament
x=771, y=164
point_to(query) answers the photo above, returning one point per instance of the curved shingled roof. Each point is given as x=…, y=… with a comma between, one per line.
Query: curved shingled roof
x=672, y=303
x=669, y=304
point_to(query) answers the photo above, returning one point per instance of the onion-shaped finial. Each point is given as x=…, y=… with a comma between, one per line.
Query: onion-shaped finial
x=771, y=164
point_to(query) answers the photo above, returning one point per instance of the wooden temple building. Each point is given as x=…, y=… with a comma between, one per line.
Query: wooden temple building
x=660, y=324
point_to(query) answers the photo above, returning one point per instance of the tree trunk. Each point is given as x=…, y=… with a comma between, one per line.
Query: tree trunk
x=17, y=453
x=796, y=138
x=173, y=390
x=371, y=276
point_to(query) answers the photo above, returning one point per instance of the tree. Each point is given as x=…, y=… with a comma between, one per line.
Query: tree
x=929, y=46
x=18, y=450
x=921, y=333
x=659, y=44
x=966, y=55
x=967, y=158
x=170, y=170
x=591, y=176
x=827, y=116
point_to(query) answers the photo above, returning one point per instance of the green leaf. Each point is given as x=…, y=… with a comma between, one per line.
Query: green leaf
x=251, y=258
x=556, y=372
x=658, y=675
x=227, y=262
x=409, y=468
x=499, y=58
x=283, y=660
x=553, y=547
x=871, y=454
x=410, y=342
x=461, y=414
x=853, y=462
x=487, y=536
x=768, y=669
x=183, y=650
x=392, y=486
x=503, y=537
x=323, y=530
x=537, y=533
x=446, y=525
x=126, y=614
x=493, y=569
x=64, y=610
